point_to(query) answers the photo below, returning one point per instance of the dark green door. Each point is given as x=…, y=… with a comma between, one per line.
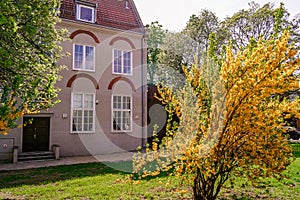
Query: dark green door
x=36, y=134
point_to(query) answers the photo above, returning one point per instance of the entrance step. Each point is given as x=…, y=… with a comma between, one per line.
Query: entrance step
x=35, y=156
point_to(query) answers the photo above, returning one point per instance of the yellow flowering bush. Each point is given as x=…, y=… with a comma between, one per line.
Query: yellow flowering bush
x=230, y=118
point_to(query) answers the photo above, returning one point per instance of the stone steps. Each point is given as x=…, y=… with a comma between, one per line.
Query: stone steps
x=36, y=156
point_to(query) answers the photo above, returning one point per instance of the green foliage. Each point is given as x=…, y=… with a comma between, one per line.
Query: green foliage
x=204, y=31
x=200, y=27
x=29, y=50
x=156, y=37
x=258, y=21
x=177, y=50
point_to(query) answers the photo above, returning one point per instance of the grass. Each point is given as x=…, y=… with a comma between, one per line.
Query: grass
x=84, y=181
x=99, y=181
x=270, y=188
x=296, y=149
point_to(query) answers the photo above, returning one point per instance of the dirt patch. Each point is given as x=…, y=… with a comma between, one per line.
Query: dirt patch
x=231, y=194
x=8, y=196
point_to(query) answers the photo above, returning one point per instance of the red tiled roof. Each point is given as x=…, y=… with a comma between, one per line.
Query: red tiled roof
x=110, y=13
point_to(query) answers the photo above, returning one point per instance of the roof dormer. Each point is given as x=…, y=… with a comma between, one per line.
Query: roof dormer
x=118, y=14
x=86, y=11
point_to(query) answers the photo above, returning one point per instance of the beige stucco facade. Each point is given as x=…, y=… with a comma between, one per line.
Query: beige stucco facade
x=101, y=82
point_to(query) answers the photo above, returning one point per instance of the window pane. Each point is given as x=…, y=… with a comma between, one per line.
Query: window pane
x=126, y=103
x=77, y=100
x=91, y=121
x=77, y=120
x=89, y=57
x=88, y=101
x=127, y=62
x=78, y=57
x=86, y=13
x=117, y=61
x=126, y=120
x=117, y=102
x=117, y=120
x=88, y=120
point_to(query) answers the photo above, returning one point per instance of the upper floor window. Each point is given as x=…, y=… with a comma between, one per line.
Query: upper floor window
x=85, y=13
x=84, y=57
x=122, y=63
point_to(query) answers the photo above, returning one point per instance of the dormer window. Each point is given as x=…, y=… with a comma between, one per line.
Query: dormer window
x=85, y=12
x=126, y=4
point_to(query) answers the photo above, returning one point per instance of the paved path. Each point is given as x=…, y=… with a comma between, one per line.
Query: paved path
x=115, y=157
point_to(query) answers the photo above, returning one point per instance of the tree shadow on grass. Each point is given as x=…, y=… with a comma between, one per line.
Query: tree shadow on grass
x=46, y=175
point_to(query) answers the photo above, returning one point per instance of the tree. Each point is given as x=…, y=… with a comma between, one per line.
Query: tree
x=29, y=50
x=200, y=27
x=258, y=21
x=231, y=127
x=177, y=50
x=155, y=40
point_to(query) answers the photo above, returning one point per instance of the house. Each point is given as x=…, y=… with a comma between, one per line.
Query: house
x=103, y=90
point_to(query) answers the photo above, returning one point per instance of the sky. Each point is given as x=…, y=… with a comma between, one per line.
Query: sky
x=174, y=14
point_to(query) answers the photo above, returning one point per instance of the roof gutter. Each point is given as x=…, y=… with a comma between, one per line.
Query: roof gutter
x=94, y=26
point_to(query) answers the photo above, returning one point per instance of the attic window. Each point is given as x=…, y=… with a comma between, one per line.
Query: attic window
x=126, y=4
x=85, y=12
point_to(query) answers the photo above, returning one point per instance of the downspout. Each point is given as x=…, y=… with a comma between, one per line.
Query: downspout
x=144, y=32
x=143, y=90
x=144, y=85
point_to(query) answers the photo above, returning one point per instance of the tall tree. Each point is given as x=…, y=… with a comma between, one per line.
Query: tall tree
x=154, y=42
x=29, y=50
x=180, y=48
x=200, y=27
x=177, y=50
x=259, y=21
x=234, y=126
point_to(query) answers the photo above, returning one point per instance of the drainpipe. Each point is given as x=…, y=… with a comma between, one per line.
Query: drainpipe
x=143, y=90
x=145, y=36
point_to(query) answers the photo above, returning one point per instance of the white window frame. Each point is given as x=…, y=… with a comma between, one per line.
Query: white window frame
x=78, y=12
x=82, y=109
x=84, y=58
x=122, y=62
x=126, y=4
x=122, y=110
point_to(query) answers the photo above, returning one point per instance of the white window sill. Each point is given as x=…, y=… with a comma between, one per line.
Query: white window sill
x=83, y=70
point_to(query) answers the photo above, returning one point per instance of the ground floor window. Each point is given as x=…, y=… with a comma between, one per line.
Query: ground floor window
x=83, y=111
x=121, y=113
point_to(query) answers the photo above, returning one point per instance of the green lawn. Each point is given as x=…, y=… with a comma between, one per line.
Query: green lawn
x=98, y=181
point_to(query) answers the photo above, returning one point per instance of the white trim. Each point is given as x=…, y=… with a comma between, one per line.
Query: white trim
x=71, y=114
x=84, y=59
x=121, y=109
